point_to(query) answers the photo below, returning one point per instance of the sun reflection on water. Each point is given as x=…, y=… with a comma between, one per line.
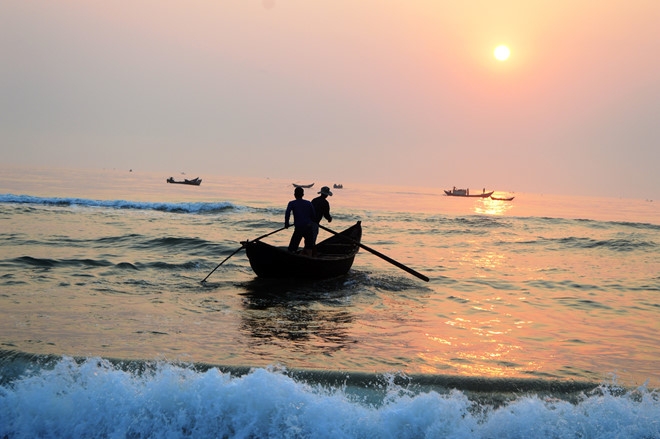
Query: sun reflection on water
x=488, y=206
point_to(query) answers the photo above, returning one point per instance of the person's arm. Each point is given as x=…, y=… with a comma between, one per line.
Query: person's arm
x=287, y=215
x=327, y=213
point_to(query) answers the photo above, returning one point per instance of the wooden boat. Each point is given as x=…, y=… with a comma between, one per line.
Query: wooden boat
x=333, y=257
x=338, y=186
x=501, y=199
x=194, y=182
x=466, y=193
x=305, y=186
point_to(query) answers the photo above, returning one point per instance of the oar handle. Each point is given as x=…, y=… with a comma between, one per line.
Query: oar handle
x=380, y=255
x=268, y=234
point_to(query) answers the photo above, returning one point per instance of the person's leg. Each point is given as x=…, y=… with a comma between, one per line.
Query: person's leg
x=315, y=233
x=295, y=240
x=309, y=240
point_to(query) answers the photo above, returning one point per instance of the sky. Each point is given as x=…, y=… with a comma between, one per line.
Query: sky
x=369, y=91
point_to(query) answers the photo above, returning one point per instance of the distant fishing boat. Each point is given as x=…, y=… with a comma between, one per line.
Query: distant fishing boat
x=306, y=186
x=337, y=186
x=466, y=193
x=501, y=199
x=194, y=182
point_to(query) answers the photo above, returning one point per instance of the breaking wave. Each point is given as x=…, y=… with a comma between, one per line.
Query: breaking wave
x=181, y=207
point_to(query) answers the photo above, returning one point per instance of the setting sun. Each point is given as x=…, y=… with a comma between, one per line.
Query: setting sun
x=502, y=53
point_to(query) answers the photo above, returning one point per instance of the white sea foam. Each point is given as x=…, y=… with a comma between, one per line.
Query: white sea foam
x=186, y=207
x=96, y=399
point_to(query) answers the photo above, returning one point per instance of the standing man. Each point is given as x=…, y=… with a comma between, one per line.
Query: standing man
x=322, y=209
x=303, y=222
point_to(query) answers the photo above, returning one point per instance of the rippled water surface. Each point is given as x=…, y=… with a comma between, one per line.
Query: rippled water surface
x=109, y=264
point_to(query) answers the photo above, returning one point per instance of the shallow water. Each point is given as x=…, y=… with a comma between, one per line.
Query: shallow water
x=545, y=288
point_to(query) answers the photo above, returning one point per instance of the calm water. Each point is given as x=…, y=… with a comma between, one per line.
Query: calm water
x=542, y=313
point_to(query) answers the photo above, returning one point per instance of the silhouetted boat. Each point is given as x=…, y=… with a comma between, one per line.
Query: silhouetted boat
x=333, y=257
x=194, y=182
x=466, y=193
x=338, y=186
x=501, y=199
x=306, y=186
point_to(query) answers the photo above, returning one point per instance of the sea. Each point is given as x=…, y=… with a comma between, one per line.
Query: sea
x=540, y=317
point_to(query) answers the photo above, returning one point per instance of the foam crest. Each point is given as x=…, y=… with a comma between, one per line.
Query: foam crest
x=93, y=398
x=182, y=207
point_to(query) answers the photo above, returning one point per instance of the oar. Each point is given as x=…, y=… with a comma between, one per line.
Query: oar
x=239, y=249
x=380, y=255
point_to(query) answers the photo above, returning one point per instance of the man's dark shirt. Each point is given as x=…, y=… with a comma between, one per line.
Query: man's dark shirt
x=303, y=213
x=322, y=208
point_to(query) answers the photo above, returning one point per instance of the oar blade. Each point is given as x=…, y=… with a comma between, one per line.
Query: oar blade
x=239, y=249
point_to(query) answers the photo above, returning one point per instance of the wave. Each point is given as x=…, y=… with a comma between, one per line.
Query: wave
x=182, y=207
x=616, y=244
x=94, y=397
x=50, y=263
x=621, y=245
x=130, y=240
x=634, y=225
x=47, y=264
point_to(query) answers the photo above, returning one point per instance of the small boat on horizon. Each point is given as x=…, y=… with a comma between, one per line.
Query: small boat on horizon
x=194, y=182
x=338, y=186
x=305, y=186
x=502, y=198
x=333, y=257
x=466, y=193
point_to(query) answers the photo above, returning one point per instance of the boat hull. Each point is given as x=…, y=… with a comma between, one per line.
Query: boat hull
x=334, y=257
x=465, y=195
x=195, y=182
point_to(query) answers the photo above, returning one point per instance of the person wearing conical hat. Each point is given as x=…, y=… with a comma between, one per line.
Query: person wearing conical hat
x=322, y=208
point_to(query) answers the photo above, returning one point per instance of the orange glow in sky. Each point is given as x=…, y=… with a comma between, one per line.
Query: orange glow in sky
x=369, y=92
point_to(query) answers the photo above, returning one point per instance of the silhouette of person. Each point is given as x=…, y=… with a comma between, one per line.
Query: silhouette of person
x=303, y=220
x=322, y=209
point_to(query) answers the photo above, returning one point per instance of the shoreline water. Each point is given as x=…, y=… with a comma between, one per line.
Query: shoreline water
x=539, y=312
x=23, y=364
x=94, y=397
